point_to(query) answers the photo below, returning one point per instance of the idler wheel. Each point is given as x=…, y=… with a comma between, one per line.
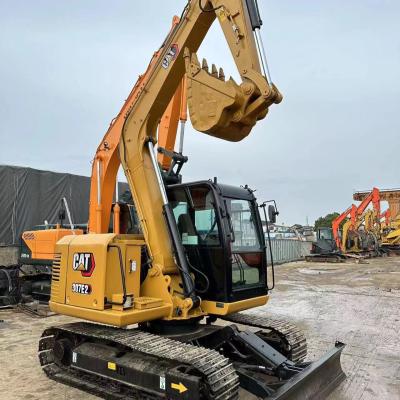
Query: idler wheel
x=63, y=351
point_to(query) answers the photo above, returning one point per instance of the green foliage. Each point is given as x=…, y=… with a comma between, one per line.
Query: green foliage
x=325, y=222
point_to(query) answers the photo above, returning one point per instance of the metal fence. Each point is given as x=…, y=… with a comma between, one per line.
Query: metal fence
x=287, y=250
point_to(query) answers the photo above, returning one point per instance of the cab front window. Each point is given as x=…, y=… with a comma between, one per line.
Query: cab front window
x=247, y=252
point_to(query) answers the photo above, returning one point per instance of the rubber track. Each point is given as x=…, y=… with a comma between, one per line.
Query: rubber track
x=218, y=372
x=292, y=336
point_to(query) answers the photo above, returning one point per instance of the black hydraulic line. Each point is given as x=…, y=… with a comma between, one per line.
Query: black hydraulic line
x=177, y=246
x=121, y=265
x=204, y=276
x=180, y=254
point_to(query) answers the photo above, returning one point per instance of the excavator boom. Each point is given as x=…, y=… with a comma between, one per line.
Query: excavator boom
x=234, y=109
x=337, y=221
x=374, y=198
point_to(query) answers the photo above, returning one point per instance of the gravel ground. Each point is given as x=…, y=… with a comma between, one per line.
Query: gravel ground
x=358, y=304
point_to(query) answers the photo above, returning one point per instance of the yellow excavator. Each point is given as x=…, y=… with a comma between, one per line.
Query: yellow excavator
x=390, y=232
x=201, y=256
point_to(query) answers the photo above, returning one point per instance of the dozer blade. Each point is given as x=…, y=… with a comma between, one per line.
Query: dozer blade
x=316, y=381
x=222, y=108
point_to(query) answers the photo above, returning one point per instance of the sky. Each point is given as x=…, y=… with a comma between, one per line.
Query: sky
x=67, y=66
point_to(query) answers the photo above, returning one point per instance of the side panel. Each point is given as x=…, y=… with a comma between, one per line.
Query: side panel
x=86, y=271
x=132, y=264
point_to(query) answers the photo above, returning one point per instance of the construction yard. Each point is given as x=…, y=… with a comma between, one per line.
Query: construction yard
x=200, y=200
x=357, y=304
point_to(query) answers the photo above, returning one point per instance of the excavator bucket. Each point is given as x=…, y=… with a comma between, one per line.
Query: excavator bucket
x=222, y=108
x=316, y=381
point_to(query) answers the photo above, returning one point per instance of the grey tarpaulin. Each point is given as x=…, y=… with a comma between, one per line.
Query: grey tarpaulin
x=29, y=196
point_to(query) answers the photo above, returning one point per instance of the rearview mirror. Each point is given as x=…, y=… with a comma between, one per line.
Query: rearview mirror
x=272, y=213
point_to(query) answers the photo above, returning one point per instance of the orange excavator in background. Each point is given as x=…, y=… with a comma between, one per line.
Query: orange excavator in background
x=350, y=212
x=367, y=224
x=374, y=198
x=355, y=230
x=360, y=232
x=31, y=278
x=387, y=224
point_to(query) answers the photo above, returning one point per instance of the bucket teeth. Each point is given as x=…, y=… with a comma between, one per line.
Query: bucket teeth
x=221, y=74
x=194, y=60
x=204, y=65
x=214, y=71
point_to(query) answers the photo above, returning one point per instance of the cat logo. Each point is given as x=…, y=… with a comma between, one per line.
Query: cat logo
x=84, y=262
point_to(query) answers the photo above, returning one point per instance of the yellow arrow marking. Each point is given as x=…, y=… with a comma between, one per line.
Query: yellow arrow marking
x=181, y=387
x=112, y=366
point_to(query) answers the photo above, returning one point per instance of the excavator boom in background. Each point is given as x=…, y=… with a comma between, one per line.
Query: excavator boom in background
x=350, y=212
x=367, y=231
x=389, y=235
x=193, y=261
x=360, y=234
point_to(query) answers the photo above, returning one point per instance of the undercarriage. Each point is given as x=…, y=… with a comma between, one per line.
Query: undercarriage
x=260, y=355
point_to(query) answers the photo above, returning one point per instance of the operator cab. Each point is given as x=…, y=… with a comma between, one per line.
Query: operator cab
x=325, y=233
x=221, y=231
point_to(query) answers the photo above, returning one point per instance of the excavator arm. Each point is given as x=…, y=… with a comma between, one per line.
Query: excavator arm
x=374, y=198
x=231, y=111
x=337, y=221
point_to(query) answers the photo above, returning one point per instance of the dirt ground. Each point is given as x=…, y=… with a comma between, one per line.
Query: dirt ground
x=358, y=304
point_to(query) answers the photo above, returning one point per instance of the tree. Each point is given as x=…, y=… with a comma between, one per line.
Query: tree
x=326, y=222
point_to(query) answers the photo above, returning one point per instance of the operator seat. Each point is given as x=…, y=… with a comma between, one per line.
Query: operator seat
x=186, y=225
